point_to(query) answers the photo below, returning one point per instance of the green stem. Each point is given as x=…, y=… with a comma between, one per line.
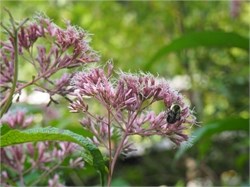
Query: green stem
x=13, y=88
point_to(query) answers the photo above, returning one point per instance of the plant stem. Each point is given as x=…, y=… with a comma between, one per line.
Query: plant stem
x=117, y=153
x=13, y=88
x=30, y=83
x=120, y=146
x=110, y=148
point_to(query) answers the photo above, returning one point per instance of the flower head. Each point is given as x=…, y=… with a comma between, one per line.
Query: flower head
x=128, y=100
x=17, y=119
x=95, y=84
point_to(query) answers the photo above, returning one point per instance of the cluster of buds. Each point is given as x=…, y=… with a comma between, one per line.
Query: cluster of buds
x=128, y=100
x=68, y=48
x=39, y=155
x=48, y=48
x=17, y=119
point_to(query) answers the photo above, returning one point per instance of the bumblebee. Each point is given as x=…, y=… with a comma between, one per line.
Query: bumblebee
x=174, y=114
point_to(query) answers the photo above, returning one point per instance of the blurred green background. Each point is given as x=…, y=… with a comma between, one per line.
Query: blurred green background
x=202, y=47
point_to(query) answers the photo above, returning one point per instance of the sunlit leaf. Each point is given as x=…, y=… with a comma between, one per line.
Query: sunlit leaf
x=93, y=156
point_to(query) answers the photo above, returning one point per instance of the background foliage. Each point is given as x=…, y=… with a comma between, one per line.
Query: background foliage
x=211, y=70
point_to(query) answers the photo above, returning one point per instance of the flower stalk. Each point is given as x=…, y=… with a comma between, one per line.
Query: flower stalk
x=113, y=162
x=110, y=149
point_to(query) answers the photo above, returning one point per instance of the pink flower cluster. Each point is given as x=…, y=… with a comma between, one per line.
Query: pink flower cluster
x=128, y=100
x=6, y=65
x=17, y=119
x=48, y=48
x=68, y=48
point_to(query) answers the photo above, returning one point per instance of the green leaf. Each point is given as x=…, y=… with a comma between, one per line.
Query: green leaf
x=93, y=156
x=4, y=129
x=206, y=131
x=218, y=39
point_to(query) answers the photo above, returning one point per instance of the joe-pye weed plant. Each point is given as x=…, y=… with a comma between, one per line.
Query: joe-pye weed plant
x=126, y=100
